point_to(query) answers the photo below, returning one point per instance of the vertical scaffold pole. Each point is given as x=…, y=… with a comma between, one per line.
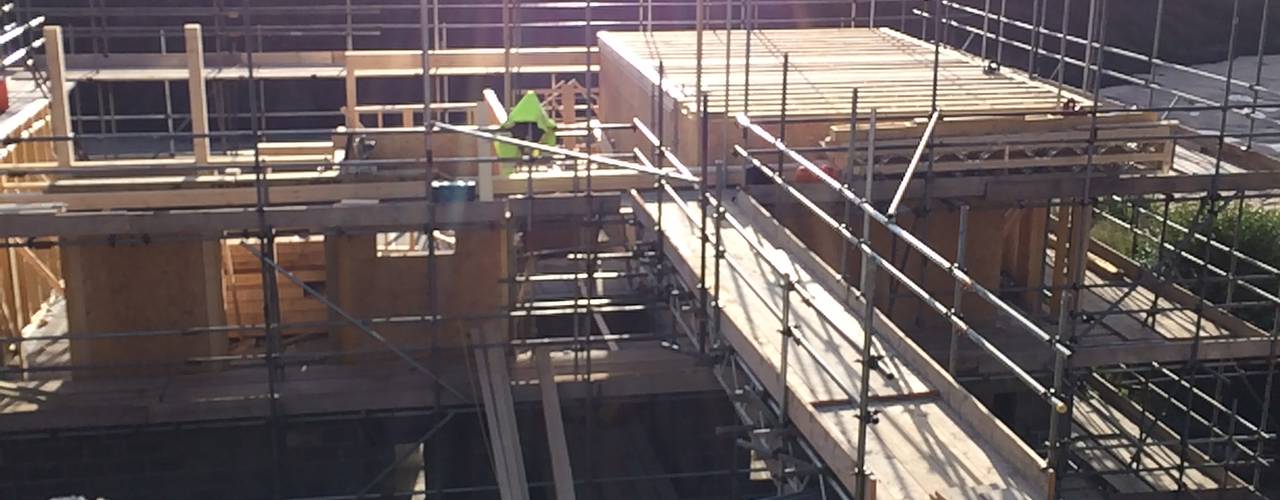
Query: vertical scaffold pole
x=957, y=293
x=865, y=416
x=848, y=184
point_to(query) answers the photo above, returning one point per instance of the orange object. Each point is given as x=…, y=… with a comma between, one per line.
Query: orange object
x=804, y=175
x=4, y=94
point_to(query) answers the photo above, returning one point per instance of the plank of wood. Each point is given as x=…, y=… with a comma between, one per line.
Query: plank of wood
x=499, y=410
x=58, y=105
x=958, y=451
x=1174, y=295
x=561, y=470
x=199, y=104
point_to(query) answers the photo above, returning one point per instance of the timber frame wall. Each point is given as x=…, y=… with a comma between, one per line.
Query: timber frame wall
x=1008, y=214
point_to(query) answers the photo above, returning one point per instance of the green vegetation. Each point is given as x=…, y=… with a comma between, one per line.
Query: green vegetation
x=1253, y=229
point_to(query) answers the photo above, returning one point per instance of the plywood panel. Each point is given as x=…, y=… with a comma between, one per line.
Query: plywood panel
x=468, y=283
x=125, y=288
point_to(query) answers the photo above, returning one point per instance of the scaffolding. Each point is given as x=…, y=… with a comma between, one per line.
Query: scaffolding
x=1118, y=415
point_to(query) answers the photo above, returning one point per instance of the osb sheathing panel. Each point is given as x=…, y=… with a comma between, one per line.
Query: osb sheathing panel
x=131, y=288
x=469, y=283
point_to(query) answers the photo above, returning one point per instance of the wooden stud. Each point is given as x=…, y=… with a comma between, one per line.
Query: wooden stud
x=61, y=112
x=196, y=89
x=349, y=78
x=16, y=282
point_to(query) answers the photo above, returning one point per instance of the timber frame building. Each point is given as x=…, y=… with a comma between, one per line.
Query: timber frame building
x=860, y=249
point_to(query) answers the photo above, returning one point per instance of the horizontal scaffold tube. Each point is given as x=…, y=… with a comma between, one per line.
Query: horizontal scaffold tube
x=1042, y=391
x=956, y=273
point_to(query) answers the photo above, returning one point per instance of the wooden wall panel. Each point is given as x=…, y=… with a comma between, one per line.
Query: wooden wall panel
x=470, y=282
x=142, y=287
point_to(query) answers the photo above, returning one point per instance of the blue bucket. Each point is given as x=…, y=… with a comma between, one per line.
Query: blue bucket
x=454, y=191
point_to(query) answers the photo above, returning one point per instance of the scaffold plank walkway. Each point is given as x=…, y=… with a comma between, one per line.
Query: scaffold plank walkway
x=932, y=438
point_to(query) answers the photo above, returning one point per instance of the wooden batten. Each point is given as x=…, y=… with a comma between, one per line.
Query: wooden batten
x=33, y=121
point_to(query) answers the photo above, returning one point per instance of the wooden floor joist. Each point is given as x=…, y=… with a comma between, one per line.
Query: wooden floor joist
x=893, y=72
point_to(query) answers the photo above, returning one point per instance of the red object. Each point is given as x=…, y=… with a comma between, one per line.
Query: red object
x=4, y=94
x=805, y=175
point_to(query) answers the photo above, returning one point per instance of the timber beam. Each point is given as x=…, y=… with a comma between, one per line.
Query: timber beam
x=214, y=223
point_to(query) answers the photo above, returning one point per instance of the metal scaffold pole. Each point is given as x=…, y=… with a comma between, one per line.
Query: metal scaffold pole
x=1096, y=214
